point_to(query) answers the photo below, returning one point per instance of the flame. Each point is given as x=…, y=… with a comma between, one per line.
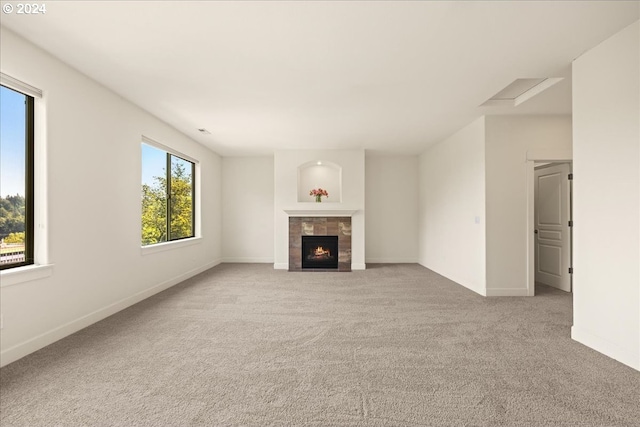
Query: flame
x=319, y=251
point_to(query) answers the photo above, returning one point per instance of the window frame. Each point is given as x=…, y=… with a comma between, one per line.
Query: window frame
x=170, y=198
x=169, y=153
x=29, y=198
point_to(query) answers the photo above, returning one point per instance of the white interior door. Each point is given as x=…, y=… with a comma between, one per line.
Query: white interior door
x=553, y=233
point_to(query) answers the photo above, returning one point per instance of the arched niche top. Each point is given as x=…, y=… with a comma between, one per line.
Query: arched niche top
x=326, y=164
x=320, y=174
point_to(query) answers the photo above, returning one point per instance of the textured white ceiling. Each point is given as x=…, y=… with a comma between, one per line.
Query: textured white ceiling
x=384, y=76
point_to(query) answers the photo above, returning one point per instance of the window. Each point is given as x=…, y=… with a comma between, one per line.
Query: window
x=16, y=177
x=168, y=196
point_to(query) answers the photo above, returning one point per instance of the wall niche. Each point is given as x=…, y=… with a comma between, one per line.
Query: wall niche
x=320, y=174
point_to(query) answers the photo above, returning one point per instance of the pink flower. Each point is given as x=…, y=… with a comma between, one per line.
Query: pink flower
x=319, y=192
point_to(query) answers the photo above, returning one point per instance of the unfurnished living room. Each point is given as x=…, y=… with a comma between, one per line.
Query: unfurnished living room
x=320, y=213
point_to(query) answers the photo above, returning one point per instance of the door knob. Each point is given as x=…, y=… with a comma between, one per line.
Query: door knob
x=536, y=231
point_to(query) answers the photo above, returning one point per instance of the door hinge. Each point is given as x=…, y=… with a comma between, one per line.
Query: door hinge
x=570, y=177
x=570, y=223
x=570, y=270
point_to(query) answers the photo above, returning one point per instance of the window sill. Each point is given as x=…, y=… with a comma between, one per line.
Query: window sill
x=168, y=246
x=18, y=275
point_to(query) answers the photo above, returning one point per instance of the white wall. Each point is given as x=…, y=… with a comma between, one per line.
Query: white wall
x=247, y=209
x=391, y=200
x=286, y=163
x=391, y=195
x=606, y=126
x=326, y=176
x=92, y=175
x=452, y=206
x=509, y=140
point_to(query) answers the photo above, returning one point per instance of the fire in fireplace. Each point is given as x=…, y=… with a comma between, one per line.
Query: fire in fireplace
x=320, y=252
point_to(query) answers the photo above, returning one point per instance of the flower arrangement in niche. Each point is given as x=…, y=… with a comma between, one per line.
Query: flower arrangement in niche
x=318, y=193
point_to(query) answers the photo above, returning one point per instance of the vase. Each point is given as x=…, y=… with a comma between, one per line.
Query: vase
x=318, y=198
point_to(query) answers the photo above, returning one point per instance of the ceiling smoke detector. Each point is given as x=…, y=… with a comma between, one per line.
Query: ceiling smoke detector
x=520, y=90
x=204, y=131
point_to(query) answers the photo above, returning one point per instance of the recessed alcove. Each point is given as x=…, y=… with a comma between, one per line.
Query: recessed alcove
x=320, y=174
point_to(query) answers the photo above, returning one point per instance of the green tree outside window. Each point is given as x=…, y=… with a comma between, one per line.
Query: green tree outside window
x=167, y=197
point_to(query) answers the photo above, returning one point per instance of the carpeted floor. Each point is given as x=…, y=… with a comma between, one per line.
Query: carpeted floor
x=395, y=345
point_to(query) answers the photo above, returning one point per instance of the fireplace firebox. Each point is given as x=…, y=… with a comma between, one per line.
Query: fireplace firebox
x=320, y=252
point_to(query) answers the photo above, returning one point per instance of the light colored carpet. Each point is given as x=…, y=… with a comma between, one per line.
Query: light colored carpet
x=395, y=345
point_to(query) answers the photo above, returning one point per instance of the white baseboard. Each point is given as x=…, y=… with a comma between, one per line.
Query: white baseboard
x=36, y=343
x=606, y=347
x=247, y=260
x=285, y=266
x=392, y=261
x=507, y=292
x=481, y=290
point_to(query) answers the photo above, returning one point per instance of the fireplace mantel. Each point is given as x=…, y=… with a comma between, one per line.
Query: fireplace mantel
x=320, y=211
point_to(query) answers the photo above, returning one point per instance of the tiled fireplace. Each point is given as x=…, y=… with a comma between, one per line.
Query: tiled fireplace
x=318, y=253
x=340, y=214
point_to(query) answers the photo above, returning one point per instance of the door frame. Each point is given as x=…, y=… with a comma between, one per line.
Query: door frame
x=534, y=156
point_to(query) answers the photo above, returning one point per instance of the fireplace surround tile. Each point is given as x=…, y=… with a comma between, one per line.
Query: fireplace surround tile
x=319, y=226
